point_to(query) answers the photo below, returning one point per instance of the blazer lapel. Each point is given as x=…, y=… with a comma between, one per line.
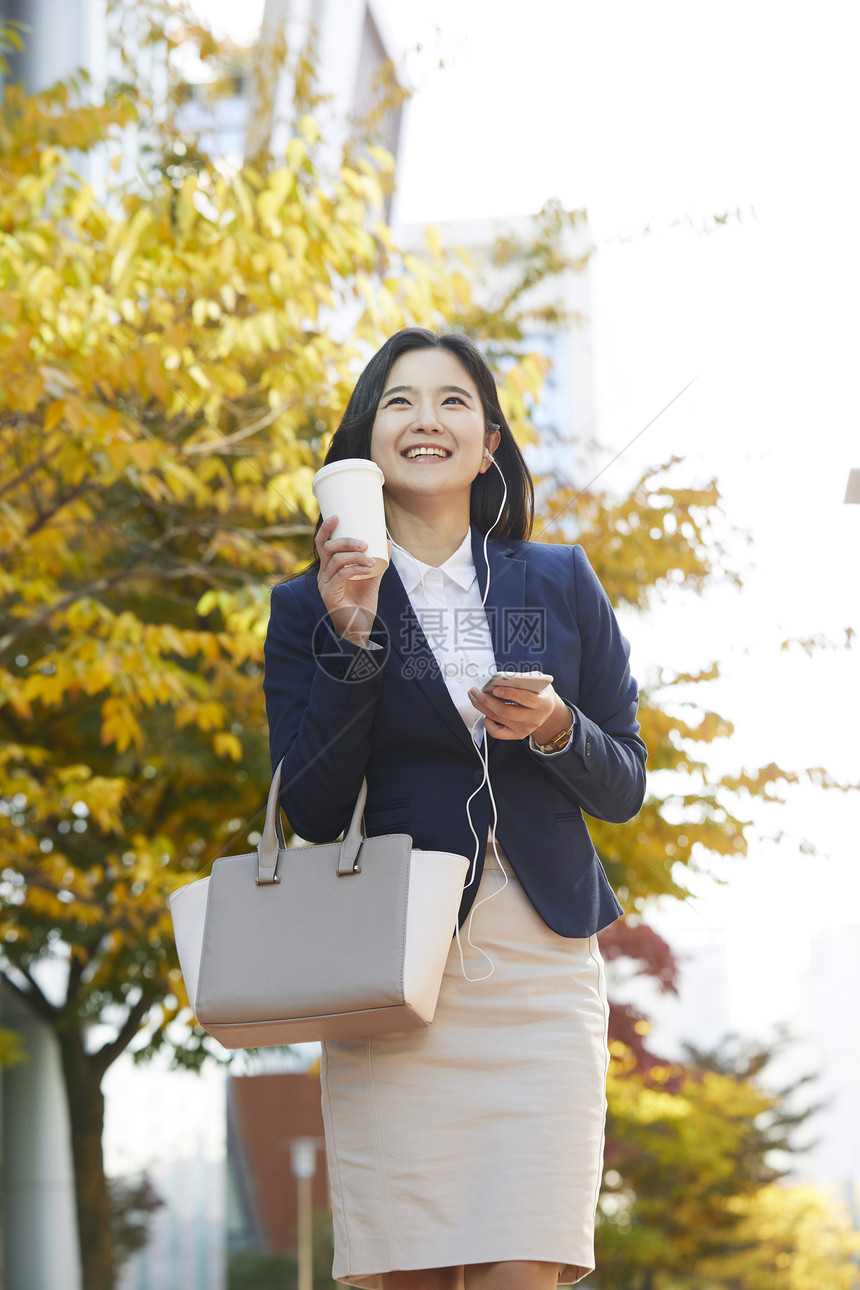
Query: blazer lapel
x=413, y=655
x=505, y=605
x=518, y=629
x=515, y=630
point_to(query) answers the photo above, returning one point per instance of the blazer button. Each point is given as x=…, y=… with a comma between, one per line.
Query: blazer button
x=477, y=777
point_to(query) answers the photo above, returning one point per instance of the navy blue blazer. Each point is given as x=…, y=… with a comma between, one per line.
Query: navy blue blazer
x=338, y=712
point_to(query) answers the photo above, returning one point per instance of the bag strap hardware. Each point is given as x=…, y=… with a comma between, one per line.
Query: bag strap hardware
x=272, y=842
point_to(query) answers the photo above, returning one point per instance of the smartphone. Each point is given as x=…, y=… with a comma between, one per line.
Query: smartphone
x=534, y=681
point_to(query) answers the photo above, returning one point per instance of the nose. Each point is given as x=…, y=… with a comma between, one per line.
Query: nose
x=425, y=418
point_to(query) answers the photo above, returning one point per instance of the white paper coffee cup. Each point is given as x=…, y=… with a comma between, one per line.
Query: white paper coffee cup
x=352, y=490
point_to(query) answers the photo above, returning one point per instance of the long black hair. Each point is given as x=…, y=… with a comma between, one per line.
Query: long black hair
x=352, y=437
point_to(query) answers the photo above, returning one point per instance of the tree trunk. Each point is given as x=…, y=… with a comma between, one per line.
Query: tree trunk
x=86, y=1118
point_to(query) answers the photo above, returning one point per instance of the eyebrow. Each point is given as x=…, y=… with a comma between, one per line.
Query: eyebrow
x=442, y=389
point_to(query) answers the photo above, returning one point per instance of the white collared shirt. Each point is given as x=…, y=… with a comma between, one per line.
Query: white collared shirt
x=447, y=604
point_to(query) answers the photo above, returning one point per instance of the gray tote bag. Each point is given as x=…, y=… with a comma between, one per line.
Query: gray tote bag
x=338, y=941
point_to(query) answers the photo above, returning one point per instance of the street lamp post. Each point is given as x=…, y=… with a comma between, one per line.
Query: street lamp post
x=303, y=1160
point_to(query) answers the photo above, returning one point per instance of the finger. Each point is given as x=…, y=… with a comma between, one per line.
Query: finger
x=498, y=730
x=502, y=720
x=488, y=704
x=324, y=532
x=327, y=527
x=344, y=544
x=334, y=546
x=343, y=564
x=478, y=700
x=515, y=694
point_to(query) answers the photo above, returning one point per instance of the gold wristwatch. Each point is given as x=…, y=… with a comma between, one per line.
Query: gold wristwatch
x=560, y=741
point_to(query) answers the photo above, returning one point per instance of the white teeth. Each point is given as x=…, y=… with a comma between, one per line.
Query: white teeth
x=426, y=452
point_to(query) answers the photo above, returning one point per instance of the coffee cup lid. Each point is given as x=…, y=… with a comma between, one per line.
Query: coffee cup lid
x=348, y=463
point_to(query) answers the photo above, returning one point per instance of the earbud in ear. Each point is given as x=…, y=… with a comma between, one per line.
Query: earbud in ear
x=489, y=455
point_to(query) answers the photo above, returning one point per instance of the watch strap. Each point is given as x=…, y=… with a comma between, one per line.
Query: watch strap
x=560, y=741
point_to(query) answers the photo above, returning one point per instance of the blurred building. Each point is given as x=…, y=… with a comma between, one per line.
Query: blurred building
x=60, y=36
x=354, y=53
x=700, y=1013
x=185, y=1247
x=828, y=1021
x=266, y=1116
x=37, y=1197
x=354, y=65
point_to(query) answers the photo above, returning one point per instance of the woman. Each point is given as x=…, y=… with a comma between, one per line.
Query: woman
x=467, y=1155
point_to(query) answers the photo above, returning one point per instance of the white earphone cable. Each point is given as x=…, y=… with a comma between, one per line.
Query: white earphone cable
x=484, y=755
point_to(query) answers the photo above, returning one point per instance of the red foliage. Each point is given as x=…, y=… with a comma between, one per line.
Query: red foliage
x=623, y=1020
x=634, y=940
x=651, y=955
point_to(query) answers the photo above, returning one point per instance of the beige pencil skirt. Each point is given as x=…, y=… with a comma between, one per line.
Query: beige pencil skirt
x=479, y=1138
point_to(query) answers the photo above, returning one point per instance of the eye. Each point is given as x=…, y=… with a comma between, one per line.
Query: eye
x=455, y=398
x=396, y=398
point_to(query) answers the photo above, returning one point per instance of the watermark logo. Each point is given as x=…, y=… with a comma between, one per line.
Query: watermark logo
x=435, y=642
x=342, y=661
x=426, y=667
x=464, y=629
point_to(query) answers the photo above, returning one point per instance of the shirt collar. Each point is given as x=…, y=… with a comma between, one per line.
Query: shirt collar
x=459, y=567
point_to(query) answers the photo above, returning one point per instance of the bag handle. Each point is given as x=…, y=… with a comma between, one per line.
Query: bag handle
x=273, y=842
x=348, y=857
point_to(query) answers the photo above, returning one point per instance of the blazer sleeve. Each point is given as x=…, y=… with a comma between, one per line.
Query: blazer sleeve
x=321, y=693
x=603, y=769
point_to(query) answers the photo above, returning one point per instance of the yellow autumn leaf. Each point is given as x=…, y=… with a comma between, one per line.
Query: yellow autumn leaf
x=309, y=129
x=119, y=725
x=227, y=745
x=53, y=414
x=142, y=453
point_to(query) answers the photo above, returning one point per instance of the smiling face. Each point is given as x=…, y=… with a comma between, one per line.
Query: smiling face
x=428, y=435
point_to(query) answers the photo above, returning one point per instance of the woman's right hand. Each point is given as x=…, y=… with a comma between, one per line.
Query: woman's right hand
x=351, y=605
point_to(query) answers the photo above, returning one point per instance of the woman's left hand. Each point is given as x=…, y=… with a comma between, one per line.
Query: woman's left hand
x=543, y=715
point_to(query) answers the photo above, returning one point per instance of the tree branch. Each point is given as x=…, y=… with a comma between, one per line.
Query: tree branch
x=131, y=573
x=86, y=486
x=25, y=474
x=31, y=624
x=33, y=998
x=76, y=972
x=108, y=1053
x=227, y=441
